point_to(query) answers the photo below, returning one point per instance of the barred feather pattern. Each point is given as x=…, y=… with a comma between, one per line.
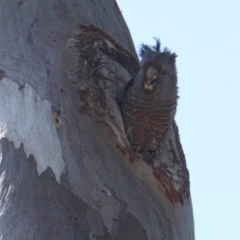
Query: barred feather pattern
x=146, y=120
x=150, y=103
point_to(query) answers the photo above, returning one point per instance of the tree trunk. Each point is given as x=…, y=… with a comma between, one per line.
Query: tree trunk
x=67, y=170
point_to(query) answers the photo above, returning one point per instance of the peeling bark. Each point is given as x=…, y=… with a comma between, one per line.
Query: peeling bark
x=67, y=170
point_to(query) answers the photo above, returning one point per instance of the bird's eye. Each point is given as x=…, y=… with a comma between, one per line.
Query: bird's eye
x=164, y=72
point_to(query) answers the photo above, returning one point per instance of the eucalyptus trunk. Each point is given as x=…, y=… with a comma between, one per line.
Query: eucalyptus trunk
x=67, y=170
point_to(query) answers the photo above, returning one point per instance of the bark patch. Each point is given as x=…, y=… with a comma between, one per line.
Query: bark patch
x=28, y=119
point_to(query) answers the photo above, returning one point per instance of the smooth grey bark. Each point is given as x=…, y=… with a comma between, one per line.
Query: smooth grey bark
x=66, y=168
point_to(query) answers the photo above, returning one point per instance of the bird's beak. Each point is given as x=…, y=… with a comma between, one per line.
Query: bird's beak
x=148, y=86
x=151, y=78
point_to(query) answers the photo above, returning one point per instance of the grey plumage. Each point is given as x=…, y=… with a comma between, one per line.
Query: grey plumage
x=150, y=103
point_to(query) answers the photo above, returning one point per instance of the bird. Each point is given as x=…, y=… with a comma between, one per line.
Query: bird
x=150, y=100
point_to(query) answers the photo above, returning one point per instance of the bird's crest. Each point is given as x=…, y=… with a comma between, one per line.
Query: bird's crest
x=144, y=48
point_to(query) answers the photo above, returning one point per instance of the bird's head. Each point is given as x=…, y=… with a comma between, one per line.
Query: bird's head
x=158, y=71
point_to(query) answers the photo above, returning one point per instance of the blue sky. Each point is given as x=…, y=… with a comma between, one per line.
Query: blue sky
x=206, y=37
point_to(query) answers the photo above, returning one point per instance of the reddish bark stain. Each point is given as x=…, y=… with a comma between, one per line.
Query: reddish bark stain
x=173, y=195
